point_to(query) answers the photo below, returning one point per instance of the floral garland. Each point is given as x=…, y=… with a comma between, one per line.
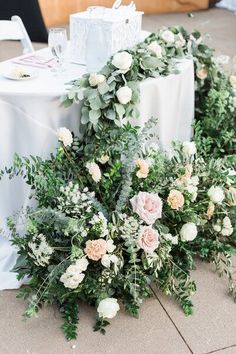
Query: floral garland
x=114, y=214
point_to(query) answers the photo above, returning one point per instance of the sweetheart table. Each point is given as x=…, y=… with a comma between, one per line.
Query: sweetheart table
x=31, y=113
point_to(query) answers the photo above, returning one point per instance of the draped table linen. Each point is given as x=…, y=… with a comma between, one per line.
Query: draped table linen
x=31, y=113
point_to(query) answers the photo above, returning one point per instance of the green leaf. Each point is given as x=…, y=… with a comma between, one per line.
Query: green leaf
x=103, y=88
x=120, y=109
x=110, y=114
x=151, y=63
x=94, y=115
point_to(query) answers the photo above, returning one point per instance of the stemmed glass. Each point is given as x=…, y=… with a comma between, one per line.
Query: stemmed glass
x=57, y=41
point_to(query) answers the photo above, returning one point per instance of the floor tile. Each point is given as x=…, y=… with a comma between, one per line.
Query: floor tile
x=152, y=333
x=213, y=324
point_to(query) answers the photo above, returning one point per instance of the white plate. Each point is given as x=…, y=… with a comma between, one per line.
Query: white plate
x=9, y=74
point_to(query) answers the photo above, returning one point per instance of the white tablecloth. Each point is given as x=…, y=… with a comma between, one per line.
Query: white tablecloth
x=31, y=114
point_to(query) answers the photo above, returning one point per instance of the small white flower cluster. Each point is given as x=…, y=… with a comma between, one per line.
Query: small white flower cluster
x=99, y=223
x=74, y=273
x=41, y=251
x=74, y=201
x=75, y=227
x=108, y=259
x=130, y=228
x=171, y=238
x=191, y=187
x=224, y=227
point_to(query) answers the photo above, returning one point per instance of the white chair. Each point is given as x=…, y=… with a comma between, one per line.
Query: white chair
x=15, y=30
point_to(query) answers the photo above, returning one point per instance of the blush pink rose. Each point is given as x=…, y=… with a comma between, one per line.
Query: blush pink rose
x=148, y=206
x=148, y=239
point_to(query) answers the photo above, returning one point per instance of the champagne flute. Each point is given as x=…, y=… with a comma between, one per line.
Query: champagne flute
x=57, y=41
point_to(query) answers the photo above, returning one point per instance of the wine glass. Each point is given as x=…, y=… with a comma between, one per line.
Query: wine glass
x=57, y=41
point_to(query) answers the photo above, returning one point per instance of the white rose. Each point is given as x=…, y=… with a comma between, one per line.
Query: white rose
x=110, y=246
x=108, y=308
x=168, y=36
x=82, y=264
x=65, y=136
x=155, y=48
x=96, y=79
x=122, y=61
x=124, y=94
x=189, y=148
x=216, y=194
x=188, y=231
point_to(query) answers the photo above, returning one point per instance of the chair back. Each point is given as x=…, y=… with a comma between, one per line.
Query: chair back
x=15, y=30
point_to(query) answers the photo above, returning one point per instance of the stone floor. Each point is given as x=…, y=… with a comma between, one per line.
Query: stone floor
x=162, y=327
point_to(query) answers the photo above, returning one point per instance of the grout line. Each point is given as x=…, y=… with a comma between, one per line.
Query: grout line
x=172, y=321
x=217, y=350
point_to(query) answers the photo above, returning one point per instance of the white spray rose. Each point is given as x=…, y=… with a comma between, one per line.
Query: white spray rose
x=106, y=261
x=110, y=246
x=70, y=280
x=232, y=80
x=216, y=194
x=104, y=159
x=96, y=79
x=65, y=136
x=82, y=264
x=124, y=94
x=168, y=36
x=155, y=48
x=94, y=171
x=189, y=148
x=217, y=227
x=108, y=308
x=188, y=231
x=122, y=61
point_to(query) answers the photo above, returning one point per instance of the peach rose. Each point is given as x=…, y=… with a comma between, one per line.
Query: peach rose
x=148, y=239
x=210, y=211
x=148, y=206
x=187, y=174
x=143, y=168
x=175, y=199
x=95, y=249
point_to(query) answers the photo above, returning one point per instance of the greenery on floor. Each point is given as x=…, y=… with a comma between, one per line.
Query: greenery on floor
x=114, y=213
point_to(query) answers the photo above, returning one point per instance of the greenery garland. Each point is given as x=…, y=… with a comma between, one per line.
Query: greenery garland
x=114, y=214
